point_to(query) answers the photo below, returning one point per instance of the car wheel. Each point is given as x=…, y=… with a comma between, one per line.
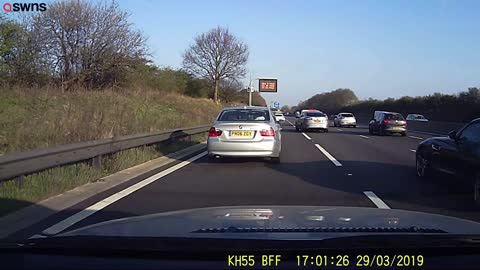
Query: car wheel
x=370, y=131
x=297, y=129
x=354, y=126
x=275, y=160
x=476, y=189
x=381, y=132
x=404, y=134
x=421, y=165
x=212, y=159
x=325, y=130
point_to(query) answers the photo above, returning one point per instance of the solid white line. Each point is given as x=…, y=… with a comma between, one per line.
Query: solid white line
x=64, y=224
x=414, y=151
x=363, y=136
x=376, y=200
x=306, y=136
x=290, y=123
x=332, y=159
x=339, y=129
x=415, y=137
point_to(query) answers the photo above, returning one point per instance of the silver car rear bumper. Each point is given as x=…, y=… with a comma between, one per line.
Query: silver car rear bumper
x=265, y=148
x=316, y=125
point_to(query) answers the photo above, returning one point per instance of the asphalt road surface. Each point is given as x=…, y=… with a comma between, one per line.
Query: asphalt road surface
x=345, y=167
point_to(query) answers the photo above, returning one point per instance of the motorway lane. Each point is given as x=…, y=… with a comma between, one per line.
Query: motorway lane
x=305, y=177
x=384, y=165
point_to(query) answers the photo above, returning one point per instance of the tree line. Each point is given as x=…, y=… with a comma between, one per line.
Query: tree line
x=93, y=45
x=461, y=107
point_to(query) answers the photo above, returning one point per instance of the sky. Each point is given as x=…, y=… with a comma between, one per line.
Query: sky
x=379, y=49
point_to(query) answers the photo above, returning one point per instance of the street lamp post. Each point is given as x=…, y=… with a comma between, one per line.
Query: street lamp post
x=250, y=92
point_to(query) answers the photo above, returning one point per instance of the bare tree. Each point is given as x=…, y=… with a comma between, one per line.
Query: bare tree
x=88, y=43
x=216, y=55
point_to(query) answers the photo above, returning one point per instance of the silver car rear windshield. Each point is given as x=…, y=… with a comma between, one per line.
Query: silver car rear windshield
x=347, y=115
x=244, y=115
x=316, y=114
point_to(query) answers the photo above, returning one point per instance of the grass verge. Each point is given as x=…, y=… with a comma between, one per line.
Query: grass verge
x=40, y=118
x=16, y=194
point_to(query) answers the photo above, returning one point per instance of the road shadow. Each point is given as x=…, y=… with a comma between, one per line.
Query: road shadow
x=392, y=182
x=20, y=228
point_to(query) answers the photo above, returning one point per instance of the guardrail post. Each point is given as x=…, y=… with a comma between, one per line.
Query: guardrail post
x=97, y=162
x=21, y=180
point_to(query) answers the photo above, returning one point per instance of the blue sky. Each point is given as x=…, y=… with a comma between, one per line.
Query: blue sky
x=377, y=48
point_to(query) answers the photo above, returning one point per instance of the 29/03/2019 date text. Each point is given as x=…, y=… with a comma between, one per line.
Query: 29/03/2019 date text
x=360, y=261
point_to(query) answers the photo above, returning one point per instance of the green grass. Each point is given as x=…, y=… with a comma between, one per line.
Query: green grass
x=40, y=118
x=16, y=194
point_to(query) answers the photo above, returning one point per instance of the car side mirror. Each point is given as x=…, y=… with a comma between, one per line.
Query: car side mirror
x=452, y=135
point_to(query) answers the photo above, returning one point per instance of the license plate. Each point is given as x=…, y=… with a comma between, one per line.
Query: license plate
x=397, y=128
x=316, y=121
x=241, y=134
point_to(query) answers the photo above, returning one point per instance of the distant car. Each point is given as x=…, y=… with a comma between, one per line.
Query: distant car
x=345, y=119
x=279, y=117
x=387, y=123
x=458, y=154
x=416, y=117
x=312, y=119
x=245, y=132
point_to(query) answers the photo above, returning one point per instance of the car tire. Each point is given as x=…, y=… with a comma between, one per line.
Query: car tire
x=276, y=160
x=381, y=132
x=421, y=166
x=325, y=130
x=212, y=159
x=476, y=189
x=404, y=134
x=354, y=126
x=370, y=131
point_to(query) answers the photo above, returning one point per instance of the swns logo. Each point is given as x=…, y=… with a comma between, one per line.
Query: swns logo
x=22, y=7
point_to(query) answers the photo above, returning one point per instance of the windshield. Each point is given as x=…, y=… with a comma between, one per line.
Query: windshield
x=398, y=117
x=244, y=115
x=315, y=114
x=113, y=109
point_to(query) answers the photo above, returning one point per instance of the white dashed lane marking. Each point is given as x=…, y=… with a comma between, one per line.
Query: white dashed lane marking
x=376, y=200
x=306, y=136
x=332, y=159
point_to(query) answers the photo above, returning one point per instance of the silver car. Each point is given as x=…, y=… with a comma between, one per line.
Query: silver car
x=312, y=119
x=345, y=119
x=416, y=117
x=245, y=132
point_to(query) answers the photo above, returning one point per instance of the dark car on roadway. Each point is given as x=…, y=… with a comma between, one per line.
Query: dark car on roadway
x=387, y=123
x=458, y=154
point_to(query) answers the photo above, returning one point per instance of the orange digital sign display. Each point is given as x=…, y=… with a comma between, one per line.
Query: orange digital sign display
x=267, y=85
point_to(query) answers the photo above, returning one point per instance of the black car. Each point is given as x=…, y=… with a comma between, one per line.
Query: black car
x=387, y=123
x=458, y=154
